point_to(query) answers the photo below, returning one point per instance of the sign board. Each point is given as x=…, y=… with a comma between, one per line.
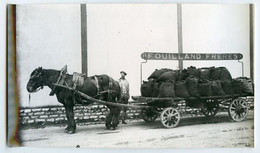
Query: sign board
x=190, y=56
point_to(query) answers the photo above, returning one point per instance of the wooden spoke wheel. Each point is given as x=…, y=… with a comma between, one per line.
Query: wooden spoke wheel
x=210, y=111
x=238, y=109
x=170, y=117
x=148, y=115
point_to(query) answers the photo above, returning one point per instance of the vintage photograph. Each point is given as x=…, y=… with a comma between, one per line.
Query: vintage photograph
x=132, y=75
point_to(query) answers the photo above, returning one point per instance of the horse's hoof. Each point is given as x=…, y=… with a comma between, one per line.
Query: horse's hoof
x=108, y=127
x=113, y=128
x=71, y=132
x=66, y=131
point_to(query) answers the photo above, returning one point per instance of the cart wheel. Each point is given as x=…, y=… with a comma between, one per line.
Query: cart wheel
x=210, y=112
x=148, y=115
x=170, y=117
x=238, y=110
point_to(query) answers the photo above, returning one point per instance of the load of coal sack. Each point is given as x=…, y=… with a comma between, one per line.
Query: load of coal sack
x=193, y=82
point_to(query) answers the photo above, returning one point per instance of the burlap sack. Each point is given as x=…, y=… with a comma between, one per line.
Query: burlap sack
x=224, y=74
x=147, y=88
x=168, y=76
x=193, y=86
x=205, y=88
x=166, y=89
x=156, y=89
x=215, y=73
x=204, y=73
x=227, y=87
x=247, y=85
x=220, y=73
x=193, y=72
x=157, y=73
x=182, y=75
x=144, y=88
x=181, y=89
x=237, y=86
x=216, y=88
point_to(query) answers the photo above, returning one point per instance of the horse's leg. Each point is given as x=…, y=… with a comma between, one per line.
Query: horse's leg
x=70, y=116
x=68, y=125
x=116, y=114
x=109, y=118
x=113, y=125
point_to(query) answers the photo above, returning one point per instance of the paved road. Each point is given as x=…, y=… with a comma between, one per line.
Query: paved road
x=196, y=132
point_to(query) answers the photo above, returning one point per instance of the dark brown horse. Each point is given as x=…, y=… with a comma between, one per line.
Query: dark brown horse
x=92, y=86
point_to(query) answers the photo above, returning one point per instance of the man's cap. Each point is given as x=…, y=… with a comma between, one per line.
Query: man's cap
x=123, y=72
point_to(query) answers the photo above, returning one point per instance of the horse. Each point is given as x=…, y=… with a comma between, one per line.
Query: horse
x=94, y=86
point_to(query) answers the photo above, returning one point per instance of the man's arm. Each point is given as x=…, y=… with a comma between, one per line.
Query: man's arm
x=127, y=87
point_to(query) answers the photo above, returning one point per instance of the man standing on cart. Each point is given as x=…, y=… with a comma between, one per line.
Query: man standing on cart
x=124, y=96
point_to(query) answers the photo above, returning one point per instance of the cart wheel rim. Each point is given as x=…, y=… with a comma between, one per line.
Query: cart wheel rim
x=170, y=117
x=238, y=109
x=148, y=115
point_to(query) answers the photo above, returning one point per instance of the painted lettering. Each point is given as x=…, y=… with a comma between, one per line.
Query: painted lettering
x=186, y=56
x=157, y=56
x=198, y=56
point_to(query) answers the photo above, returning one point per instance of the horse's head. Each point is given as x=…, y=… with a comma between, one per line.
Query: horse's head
x=36, y=80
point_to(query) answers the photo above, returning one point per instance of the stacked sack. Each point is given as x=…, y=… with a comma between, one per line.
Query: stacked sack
x=193, y=82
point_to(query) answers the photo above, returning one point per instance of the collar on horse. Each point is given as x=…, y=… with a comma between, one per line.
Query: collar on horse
x=61, y=79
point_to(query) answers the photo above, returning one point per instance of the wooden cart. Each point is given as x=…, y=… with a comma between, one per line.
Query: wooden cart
x=169, y=108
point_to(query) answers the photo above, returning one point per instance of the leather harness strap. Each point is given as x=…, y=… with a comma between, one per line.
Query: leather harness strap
x=61, y=79
x=96, y=82
x=99, y=92
x=110, y=84
x=78, y=79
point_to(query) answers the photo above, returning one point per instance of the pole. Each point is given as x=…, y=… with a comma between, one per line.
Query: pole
x=251, y=37
x=141, y=71
x=179, y=23
x=84, y=47
x=89, y=98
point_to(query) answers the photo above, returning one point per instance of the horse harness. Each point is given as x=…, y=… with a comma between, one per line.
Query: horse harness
x=100, y=92
x=78, y=81
x=61, y=79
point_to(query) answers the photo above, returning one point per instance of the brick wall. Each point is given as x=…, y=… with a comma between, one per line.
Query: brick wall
x=48, y=115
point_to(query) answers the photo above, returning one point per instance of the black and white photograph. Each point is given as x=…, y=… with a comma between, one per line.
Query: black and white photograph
x=131, y=75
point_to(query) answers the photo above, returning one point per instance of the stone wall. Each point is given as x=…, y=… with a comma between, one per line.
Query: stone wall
x=48, y=115
x=92, y=114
